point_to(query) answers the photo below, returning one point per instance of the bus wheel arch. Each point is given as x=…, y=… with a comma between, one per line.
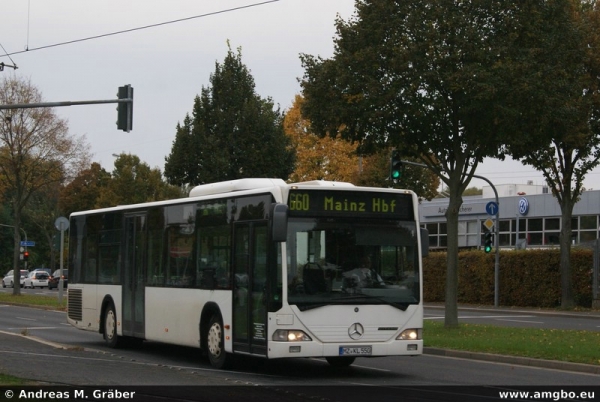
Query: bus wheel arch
x=212, y=337
x=108, y=323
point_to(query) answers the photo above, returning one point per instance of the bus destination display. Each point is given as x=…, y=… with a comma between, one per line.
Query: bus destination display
x=350, y=204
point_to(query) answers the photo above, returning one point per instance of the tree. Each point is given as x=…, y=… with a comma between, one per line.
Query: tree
x=555, y=114
x=233, y=133
x=134, y=182
x=318, y=158
x=327, y=158
x=36, y=150
x=84, y=191
x=419, y=76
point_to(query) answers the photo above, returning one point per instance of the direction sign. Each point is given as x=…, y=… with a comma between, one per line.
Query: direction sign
x=27, y=243
x=491, y=208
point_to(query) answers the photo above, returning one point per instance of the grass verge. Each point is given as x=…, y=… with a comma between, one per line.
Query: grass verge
x=35, y=300
x=549, y=344
x=6, y=379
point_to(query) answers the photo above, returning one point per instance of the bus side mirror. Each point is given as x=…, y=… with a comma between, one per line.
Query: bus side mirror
x=279, y=222
x=424, y=242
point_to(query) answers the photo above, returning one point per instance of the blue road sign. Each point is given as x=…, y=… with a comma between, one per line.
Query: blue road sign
x=27, y=243
x=491, y=208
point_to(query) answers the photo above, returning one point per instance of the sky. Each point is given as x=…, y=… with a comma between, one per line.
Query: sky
x=168, y=64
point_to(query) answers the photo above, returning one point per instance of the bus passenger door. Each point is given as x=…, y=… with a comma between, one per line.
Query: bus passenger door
x=133, y=276
x=250, y=284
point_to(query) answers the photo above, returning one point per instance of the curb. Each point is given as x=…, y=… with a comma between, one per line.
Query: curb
x=521, y=361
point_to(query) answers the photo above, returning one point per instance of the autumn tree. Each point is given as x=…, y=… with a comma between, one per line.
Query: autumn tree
x=232, y=133
x=327, y=158
x=36, y=150
x=554, y=112
x=318, y=158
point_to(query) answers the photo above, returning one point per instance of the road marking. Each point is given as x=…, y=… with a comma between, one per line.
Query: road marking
x=26, y=319
x=481, y=316
x=30, y=328
x=529, y=322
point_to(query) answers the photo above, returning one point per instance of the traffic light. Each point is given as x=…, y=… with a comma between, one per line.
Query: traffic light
x=489, y=242
x=25, y=255
x=395, y=166
x=125, y=109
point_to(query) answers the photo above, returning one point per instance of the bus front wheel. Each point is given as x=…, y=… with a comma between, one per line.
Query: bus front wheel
x=215, y=344
x=110, y=327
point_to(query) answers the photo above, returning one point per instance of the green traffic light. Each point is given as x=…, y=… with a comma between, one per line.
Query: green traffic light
x=489, y=241
x=395, y=174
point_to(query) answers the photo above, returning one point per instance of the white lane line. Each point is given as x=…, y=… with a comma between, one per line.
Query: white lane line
x=529, y=322
x=482, y=316
x=26, y=319
x=29, y=328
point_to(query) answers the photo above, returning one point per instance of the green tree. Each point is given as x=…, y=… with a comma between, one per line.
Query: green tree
x=133, y=182
x=84, y=191
x=418, y=76
x=36, y=150
x=555, y=112
x=233, y=133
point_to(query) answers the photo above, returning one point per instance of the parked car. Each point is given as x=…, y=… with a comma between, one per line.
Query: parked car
x=9, y=280
x=36, y=279
x=53, y=282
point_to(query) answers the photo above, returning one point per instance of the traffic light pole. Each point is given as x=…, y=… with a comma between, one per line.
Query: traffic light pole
x=496, y=234
x=125, y=95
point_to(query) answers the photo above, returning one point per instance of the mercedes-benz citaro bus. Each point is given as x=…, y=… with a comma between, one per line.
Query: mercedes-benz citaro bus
x=255, y=267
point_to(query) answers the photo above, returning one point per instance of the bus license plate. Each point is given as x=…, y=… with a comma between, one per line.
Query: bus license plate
x=356, y=350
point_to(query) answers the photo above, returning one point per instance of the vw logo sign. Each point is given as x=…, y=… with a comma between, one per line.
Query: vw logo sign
x=523, y=206
x=356, y=331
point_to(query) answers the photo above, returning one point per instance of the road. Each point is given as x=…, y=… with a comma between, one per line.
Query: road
x=521, y=317
x=85, y=360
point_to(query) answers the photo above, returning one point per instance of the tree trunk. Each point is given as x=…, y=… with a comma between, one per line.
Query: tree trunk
x=566, y=283
x=451, y=302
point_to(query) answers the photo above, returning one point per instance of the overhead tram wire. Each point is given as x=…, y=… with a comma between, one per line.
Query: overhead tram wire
x=144, y=27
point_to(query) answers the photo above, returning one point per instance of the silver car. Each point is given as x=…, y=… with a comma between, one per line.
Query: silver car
x=9, y=280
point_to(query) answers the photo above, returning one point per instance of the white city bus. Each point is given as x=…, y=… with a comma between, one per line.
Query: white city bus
x=255, y=267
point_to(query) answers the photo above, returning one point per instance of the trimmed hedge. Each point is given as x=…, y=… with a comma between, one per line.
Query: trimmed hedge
x=527, y=278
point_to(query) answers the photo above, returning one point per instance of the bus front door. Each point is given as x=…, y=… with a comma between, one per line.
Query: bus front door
x=250, y=280
x=133, y=276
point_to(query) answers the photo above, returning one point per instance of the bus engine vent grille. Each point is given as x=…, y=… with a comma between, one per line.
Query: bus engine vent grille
x=75, y=304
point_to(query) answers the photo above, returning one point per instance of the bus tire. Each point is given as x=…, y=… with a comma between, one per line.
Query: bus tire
x=110, y=327
x=340, y=361
x=215, y=343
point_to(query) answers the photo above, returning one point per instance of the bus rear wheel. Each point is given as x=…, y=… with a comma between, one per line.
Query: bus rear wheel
x=215, y=343
x=340, y=361
x=110, y=327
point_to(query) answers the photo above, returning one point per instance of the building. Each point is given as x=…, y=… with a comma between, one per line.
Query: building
x=529, y=216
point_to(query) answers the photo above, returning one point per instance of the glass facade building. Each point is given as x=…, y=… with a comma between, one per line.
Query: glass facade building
x=523, y=220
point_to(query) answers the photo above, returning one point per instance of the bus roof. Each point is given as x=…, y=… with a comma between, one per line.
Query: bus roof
x=253, y=184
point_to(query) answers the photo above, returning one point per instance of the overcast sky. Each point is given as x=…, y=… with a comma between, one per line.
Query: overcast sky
x=167, y=65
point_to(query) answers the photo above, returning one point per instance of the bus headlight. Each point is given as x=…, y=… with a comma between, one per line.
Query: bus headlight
x=290, y=335
x=412, y=334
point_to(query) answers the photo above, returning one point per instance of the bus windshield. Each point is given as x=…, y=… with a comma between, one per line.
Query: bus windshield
x=342, y=261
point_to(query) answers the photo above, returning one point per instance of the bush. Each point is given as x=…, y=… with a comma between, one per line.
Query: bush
x=527, y=278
